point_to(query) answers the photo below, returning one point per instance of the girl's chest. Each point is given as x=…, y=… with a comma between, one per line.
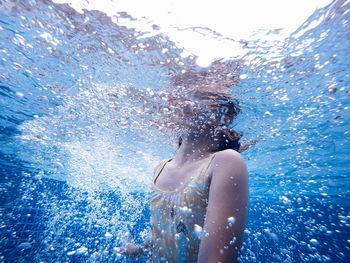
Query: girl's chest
x=173, y=178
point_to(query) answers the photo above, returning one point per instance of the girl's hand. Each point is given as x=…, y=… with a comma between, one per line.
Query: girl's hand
x=131, y=250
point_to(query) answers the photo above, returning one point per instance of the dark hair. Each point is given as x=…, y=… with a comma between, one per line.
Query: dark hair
x=219, y=75
x=231, y=105
x=230, y=140
x=209, y=91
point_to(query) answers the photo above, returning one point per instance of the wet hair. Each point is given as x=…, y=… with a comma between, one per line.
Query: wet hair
x=219, y=75
x=209, y=91
x=226, y=107
x=229, y=107
x=229, y=140
x=229, y=137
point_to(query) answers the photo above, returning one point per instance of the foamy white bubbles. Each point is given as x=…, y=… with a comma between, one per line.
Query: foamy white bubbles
x=233, y=240
x=198, y=231
x=108, y=235
x=231, y=220
x=82, y=250
x=203, y=61
x=186, y=210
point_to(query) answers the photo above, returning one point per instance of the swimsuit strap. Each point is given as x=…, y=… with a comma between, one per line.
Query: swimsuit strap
x=203, y=171
x=161, y=169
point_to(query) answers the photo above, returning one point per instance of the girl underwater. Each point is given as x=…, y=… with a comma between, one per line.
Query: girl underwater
x=199, y=198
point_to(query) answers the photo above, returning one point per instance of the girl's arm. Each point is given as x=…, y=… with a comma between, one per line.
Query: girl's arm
x=227, y=209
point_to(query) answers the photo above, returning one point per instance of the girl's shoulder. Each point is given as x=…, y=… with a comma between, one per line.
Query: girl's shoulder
x=227, y=160
x=228, y=155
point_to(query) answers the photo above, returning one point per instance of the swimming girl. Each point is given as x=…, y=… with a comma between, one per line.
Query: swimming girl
x=199, y=198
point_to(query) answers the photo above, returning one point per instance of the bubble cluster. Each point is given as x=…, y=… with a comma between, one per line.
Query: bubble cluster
x=90, y=106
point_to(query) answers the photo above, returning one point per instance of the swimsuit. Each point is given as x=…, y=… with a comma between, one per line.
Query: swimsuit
x=177, y=218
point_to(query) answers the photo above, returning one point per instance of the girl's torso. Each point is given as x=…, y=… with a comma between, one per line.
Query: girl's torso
x=179, y=200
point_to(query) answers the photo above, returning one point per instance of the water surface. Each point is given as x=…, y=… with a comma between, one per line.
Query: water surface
x=85, y=117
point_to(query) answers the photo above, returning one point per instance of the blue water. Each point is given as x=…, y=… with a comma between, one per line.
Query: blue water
x=84, y=119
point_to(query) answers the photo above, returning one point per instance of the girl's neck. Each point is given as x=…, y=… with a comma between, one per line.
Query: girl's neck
x=195, y=147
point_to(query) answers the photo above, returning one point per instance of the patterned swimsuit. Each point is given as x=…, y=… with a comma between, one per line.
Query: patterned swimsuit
x=177, y=218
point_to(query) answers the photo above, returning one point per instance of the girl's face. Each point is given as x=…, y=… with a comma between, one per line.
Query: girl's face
x=202, y=110
x=213, y=118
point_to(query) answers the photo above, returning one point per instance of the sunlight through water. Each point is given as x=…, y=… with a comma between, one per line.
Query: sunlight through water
x=90, y=105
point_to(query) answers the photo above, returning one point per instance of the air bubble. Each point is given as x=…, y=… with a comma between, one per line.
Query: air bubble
x=198, y=230
x=108, y=235
x=19, y=94
x=314, y=242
